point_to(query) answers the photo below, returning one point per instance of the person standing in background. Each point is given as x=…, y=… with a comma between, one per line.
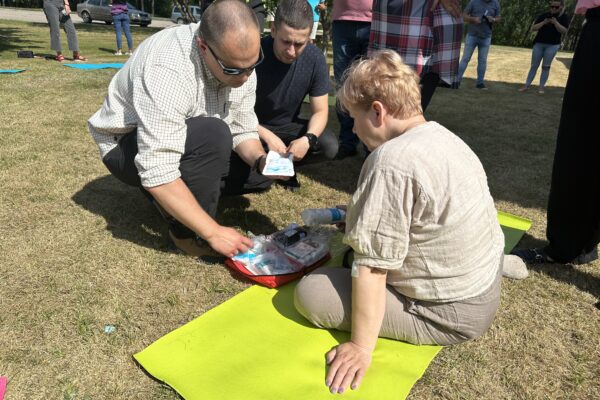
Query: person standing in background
x=482, y=15
x=314, y=5
x=550, y=26
x=59, y=12
x=120, y=15
x=351, y=27
x=573, y=230
x=426, y=34
x=259, y=10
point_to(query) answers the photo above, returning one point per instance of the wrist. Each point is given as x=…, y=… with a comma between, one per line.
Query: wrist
x=256, y=167
x=312, y=140
x=367, y=349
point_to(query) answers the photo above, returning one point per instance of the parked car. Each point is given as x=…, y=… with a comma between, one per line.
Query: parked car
x=179, y=18
x=99, y=10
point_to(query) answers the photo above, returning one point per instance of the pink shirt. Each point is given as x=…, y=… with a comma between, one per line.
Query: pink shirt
x=581, y=7
x=352, y=10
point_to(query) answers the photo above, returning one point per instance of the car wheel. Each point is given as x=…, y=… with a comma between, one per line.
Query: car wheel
x=180, y=21
x=108, y=22
x=85, y=16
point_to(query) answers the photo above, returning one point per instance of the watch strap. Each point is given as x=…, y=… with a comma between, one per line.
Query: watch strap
x=312, y=140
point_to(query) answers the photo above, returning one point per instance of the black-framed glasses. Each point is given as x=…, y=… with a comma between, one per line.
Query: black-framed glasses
x=555, y=7
x=236, y=71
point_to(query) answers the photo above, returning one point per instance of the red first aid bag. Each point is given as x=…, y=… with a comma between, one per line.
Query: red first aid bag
x=274, y=281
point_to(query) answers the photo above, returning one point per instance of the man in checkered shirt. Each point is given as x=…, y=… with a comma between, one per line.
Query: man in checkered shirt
x=174, y=113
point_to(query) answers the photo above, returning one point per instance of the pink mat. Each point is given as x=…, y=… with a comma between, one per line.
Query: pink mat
x=2, y=386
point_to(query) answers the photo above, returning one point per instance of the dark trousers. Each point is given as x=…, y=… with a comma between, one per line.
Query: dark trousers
x=429, y=82
x=204, y=163
x=350, y=41
x=242, y=180
x=327, y=145
x=574, y=201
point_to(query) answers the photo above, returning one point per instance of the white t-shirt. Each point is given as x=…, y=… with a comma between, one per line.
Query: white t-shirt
x=423, y=210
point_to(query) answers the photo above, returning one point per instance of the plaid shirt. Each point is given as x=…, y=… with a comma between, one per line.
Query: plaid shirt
x=164, y=83
x=428, y=41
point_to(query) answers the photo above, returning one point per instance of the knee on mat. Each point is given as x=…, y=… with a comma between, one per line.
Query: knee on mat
x=307, y=300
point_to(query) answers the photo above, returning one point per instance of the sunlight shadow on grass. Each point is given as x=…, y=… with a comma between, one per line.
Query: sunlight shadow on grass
x=566, y=273
x=128, y=214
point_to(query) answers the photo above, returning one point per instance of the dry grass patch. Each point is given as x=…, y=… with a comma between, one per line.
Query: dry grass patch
x=79, y=250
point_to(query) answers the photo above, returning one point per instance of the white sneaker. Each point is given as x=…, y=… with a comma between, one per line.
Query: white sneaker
x=514, y=267
x=118, y=53
x=129, y=52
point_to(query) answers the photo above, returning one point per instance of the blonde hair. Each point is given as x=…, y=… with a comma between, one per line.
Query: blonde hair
x=382, y=77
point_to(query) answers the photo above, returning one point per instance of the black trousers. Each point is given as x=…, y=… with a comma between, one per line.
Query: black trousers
x=429, y=82
x=203, y=165
x=241, y=180
x=574, y=201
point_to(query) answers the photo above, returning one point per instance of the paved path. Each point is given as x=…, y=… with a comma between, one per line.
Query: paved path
x=37, y=15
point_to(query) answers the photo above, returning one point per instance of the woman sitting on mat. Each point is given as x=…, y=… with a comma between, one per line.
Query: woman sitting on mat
x=422, y=223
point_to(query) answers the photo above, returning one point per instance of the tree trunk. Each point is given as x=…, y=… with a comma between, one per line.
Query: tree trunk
x=185, y=11
x=326, y=26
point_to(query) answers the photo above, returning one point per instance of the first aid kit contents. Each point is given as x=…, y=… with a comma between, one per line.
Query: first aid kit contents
x=279, y=165
x=286, y=251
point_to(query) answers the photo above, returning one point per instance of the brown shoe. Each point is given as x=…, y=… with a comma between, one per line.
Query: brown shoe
x=195, y=247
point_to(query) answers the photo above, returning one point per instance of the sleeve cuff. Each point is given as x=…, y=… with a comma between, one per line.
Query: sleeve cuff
x=150, y=180
x=376, y=262
x=242, y=137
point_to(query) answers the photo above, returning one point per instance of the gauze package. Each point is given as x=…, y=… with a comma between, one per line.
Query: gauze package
x=278, y=165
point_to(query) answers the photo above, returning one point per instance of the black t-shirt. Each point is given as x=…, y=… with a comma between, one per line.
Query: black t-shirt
x=548, y=33
x=281, y=88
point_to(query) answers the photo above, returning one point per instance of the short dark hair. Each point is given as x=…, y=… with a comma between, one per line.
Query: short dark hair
x=296, y=14
x=223, y=16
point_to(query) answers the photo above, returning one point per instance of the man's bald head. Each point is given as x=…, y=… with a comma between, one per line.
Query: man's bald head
x=226, y=19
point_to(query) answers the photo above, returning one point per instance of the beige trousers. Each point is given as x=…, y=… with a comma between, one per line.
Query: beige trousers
x=324, y=297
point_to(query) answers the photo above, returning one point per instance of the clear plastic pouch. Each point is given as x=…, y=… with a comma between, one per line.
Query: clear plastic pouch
x=284, y=252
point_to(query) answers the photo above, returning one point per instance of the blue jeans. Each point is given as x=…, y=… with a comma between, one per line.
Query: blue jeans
x=122, y=21
x=541, y=51
x=350, y=41
x=483, y=47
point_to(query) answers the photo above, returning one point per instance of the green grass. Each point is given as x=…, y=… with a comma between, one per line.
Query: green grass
x=79, y=250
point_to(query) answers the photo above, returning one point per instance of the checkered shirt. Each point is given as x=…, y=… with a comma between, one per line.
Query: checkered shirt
x=428, y=41
x=164, y=83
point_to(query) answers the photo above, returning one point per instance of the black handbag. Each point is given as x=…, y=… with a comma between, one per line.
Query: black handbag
x=25, y=54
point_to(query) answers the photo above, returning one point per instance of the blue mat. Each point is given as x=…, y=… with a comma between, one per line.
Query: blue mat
x=95, y=66
x=11, y=71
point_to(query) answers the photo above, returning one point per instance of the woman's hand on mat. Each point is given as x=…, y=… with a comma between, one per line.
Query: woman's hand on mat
x=228, y=241
x=452, y=6
x=348, y=364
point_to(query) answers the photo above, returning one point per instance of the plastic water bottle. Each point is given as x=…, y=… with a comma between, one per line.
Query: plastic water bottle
x=319, y=216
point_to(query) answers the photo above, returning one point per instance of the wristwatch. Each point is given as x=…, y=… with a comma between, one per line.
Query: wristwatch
x=312, y=140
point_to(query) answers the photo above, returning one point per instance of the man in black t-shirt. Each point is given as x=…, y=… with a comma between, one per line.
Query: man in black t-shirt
x=292, y=69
